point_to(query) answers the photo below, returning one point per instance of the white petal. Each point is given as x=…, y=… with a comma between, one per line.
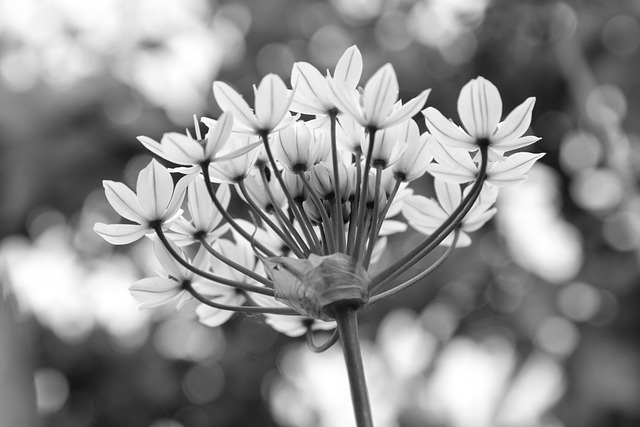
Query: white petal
x=475, y=220
x=347, y=100
x=512, y=170
x=408, y=110
x=213, y=316
x=219, y=135
x=380, y=94
x=120, y=234
x=182, y=149
x=154, y=188
x=124, y=201
x=349, y=67
x=480, y=107
x=449, y=195
x=151, y=145
x=199, y=202
x=512, y=128
x=230, y=100
x=423, y=214
x=168, y=262
x=155, y=291
x=453, y=158
x=312, y=91
x=179, y=191
x=272, y=102
x=446, y=173
x=446, y=132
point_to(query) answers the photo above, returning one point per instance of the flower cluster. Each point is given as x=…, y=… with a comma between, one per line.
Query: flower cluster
x=324, y=170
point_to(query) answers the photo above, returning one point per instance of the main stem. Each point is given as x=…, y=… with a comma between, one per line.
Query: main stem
x=347, y=320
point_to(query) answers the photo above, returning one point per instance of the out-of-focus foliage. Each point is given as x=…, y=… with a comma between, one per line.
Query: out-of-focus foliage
x=545, y=300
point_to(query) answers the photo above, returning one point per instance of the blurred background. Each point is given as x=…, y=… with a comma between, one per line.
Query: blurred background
x=535, y=324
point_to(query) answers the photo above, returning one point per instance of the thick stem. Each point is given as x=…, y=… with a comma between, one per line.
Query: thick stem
x=347, y=320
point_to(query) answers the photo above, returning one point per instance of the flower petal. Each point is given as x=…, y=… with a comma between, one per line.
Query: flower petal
x=346, y=100
x=155, y=291
x=230, y=100
x=480, y=107
x=408, y=110
x=124, y=201
x=181, y=149
x=512, y=128
x=446, y=132
x=449, y=195
x=512, y=169
x=168, y=262
x=312, y=93
x=151, y=145
x=154, y=188
x=200, y=206
x=349, y=67
x=380, y=94
x=120, y=234
x=179, y=191
x=272, y=102
x=219, y=135
x=213, y=317
x=453, y=158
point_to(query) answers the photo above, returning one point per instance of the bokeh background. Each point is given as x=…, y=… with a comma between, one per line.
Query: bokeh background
x=536, y=324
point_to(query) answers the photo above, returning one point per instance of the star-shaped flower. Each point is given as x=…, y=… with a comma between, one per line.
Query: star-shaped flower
x=272, y=101
x=156, y=202
x=156, y=291
x=377, y=107
x=426, y=215
x=480, y=110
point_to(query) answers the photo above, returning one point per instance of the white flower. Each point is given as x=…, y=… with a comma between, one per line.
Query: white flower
x=480, y=110
x=156, y=202
x=456, y=165
x=205, y=218
x=272, y=102
x=378, y=106
x=240, y=252
x=312, y=92
x=156, y=291
x=426, y=215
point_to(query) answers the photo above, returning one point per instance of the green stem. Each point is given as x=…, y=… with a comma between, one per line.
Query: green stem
x=347, y=320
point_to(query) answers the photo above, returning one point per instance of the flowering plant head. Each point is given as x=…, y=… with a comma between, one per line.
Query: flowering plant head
x=323, y=192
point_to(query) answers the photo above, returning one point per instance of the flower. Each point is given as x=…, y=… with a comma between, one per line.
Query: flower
x=272, y=103
x=156, y=291
x=156, y=202
x=377, y=107
x=480, y=109
x=312, y=92
x=241, y=253
x=205, y=220
x=457, y=166
x=426, y=215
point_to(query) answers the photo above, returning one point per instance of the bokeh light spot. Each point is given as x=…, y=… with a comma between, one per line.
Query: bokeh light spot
x=621, y=35
x=597, y=190
x=203, y=383
x=557, y=336
x=579, y=301
x=621, y=230
x=580, y=150
x=52, y=390
x=275, y=58
x=179, y=338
